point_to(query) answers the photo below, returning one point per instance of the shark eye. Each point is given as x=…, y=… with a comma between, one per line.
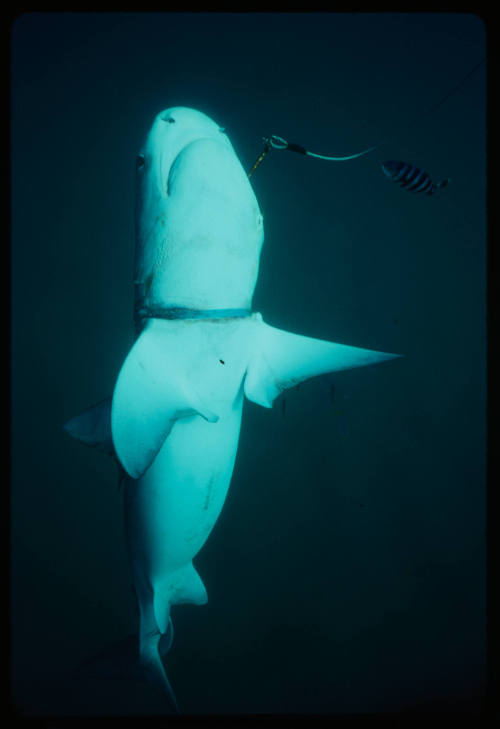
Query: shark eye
x=139, y=162
x=170, y=120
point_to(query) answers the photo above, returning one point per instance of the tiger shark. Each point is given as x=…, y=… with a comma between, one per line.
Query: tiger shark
x=173, y=420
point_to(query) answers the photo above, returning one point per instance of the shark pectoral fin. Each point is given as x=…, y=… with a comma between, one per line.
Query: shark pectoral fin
x=151, y=393
x=282, y=360
x=93, y=426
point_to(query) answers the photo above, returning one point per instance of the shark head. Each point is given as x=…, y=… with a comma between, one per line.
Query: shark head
x=198, y=225
x=172, y=131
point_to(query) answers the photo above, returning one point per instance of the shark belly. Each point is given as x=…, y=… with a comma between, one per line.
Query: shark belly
x=173, y=505
x=171, y=510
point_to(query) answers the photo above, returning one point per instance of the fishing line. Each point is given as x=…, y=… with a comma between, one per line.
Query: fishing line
x=276, y=142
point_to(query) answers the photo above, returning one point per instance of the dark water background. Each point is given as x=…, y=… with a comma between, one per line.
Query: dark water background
x=346, y=572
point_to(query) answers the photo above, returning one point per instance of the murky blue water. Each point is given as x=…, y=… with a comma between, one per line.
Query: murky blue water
x=347, y=570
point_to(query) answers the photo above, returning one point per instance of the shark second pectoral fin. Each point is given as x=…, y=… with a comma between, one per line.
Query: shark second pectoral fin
x=283, y=360
x=93, y=426
x=151, y=393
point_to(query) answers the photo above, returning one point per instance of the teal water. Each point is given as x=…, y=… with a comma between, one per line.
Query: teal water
x=346, y=573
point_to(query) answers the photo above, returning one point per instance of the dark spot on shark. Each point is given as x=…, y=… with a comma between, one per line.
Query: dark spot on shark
x=222, y=361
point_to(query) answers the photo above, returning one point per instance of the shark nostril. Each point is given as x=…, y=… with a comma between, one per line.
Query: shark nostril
x=169, y=119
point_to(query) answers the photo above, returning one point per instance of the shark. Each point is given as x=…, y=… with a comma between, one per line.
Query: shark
x=173, y=419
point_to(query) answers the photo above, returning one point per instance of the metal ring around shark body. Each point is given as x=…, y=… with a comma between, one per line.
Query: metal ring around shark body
x=179, y=312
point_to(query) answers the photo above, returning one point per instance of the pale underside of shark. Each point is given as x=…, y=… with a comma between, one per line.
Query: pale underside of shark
x=174, y=418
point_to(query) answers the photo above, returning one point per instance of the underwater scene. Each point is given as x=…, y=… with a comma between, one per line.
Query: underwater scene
x=248, y=273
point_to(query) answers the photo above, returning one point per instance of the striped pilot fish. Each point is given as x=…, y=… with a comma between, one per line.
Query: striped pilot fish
x=411, y=178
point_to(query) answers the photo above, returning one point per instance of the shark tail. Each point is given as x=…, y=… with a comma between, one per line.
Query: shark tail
x=151, y=665
x=138, y=658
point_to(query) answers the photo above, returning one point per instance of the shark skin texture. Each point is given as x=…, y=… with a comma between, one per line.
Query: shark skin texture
x=173, y=420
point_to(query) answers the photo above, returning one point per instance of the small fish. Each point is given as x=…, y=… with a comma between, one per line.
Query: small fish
x=411, y=178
